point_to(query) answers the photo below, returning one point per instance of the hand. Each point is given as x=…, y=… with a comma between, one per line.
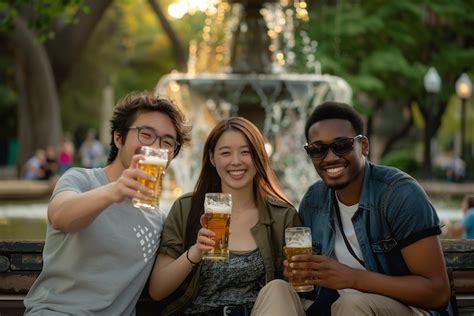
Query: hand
x=323, y=271
x=127, y=186
x=205, y=237
x=286, y=269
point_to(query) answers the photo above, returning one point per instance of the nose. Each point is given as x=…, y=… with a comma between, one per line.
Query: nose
x=235, y=159
x=331, y=155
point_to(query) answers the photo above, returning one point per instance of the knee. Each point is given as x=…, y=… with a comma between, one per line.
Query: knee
x=351, y=302
x=277, y=287
x=278, y=284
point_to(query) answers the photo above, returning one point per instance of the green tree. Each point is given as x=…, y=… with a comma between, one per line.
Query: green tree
x=384, y=48
x=45, y=39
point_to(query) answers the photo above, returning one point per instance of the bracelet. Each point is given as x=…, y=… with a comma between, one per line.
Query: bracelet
x=192, y=262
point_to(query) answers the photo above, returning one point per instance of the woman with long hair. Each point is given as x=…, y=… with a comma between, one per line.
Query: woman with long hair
x=234, y=161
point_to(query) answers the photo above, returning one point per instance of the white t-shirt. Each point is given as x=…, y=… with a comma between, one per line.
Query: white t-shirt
x=341, y=252
x=101, y=269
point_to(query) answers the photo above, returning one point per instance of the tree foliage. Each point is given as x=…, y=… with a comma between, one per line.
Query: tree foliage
x=384, y=48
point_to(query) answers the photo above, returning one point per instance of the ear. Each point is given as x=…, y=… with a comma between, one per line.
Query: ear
x=117, y=139
x=365, y=146
x=211, y=158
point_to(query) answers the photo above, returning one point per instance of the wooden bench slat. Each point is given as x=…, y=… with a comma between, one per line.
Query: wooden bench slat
x=21, y=263
x=15, y=246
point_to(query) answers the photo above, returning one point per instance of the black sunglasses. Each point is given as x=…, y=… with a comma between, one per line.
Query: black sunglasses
x=340, y=147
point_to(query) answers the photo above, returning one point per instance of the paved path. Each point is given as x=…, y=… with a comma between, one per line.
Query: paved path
x=24, y=189
x=447, y=188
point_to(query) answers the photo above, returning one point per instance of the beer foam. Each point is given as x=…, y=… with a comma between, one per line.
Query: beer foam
x=299, y=243
x=221, y=209
x=154, y=161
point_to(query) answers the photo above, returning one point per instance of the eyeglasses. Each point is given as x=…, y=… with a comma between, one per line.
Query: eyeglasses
x=340, y=147
x=147, y=136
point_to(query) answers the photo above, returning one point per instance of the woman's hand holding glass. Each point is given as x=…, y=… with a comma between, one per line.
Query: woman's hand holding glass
x=204, y=241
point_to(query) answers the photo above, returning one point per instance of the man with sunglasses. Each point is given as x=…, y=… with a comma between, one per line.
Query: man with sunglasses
x=99, y=249
x=376, y=249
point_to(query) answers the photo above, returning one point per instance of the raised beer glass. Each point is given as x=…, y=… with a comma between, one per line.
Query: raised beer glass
x=298, y=242
x=154, y=163
x=217, y=209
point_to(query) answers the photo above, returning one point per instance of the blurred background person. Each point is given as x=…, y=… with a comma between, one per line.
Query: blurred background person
x=66, y=154
x=34, y=168
x=51, y=164
x=465, y=227
x=92, y=151
x=455, y=168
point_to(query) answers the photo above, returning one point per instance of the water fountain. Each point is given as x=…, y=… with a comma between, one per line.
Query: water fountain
x=243, y=66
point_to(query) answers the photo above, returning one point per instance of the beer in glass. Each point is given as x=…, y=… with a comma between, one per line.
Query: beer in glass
x=154, y=164
x=298, y=242
x=217, y=209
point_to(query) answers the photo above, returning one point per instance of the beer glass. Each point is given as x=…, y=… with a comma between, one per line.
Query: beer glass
x=153, y=164
x=298, y=242
x=217, y=209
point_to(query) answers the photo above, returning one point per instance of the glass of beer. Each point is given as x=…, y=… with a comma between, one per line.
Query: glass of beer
x=217, y=208
x=298, y=242
x=154, y=163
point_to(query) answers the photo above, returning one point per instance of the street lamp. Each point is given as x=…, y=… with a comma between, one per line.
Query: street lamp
x=463, y=90
x=432, y=82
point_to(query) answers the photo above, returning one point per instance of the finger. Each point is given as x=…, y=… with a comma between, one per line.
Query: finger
x=139, y=173
x=302, y=265
x=204, y=241
x=302, y=258
x=203, y=220
x=206, y=233
x=136, y=186
x=135, y=160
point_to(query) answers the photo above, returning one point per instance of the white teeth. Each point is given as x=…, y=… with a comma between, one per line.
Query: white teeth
x=334, y=170
x=237, y=173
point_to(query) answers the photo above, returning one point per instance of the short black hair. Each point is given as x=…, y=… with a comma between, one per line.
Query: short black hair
x=335, y=110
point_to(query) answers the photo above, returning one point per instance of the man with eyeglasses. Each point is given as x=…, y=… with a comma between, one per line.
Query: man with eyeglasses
x=99, y=249
x=376, y=249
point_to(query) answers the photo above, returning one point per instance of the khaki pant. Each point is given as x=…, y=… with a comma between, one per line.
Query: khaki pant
x=278, y=298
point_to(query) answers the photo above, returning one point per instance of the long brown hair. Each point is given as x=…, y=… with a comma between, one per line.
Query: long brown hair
x=265, y=182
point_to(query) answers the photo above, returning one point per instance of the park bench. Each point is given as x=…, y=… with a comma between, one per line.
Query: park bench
x=21, y=262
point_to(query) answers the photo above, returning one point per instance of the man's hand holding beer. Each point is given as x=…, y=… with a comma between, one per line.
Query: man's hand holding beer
x=322, y=271
x=127, y=186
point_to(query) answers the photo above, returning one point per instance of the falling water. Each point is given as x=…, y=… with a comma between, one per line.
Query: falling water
x=244, y=65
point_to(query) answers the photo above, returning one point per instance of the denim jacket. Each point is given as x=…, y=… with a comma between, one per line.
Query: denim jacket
x=394, y=211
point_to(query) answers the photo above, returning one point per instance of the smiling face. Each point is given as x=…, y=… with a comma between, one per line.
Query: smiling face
x=160, y=123
x=342, y=173
x=233, y=161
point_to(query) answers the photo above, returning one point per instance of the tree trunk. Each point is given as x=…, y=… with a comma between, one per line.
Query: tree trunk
x=176, y=45
x=396, y=136
x=39, y=120
x=65, y=48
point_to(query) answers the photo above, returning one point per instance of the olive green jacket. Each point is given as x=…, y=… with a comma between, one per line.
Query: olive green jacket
x=274, y=217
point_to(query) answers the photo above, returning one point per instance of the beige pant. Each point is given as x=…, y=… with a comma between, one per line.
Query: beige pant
x=278, y=298
x=372, y=304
